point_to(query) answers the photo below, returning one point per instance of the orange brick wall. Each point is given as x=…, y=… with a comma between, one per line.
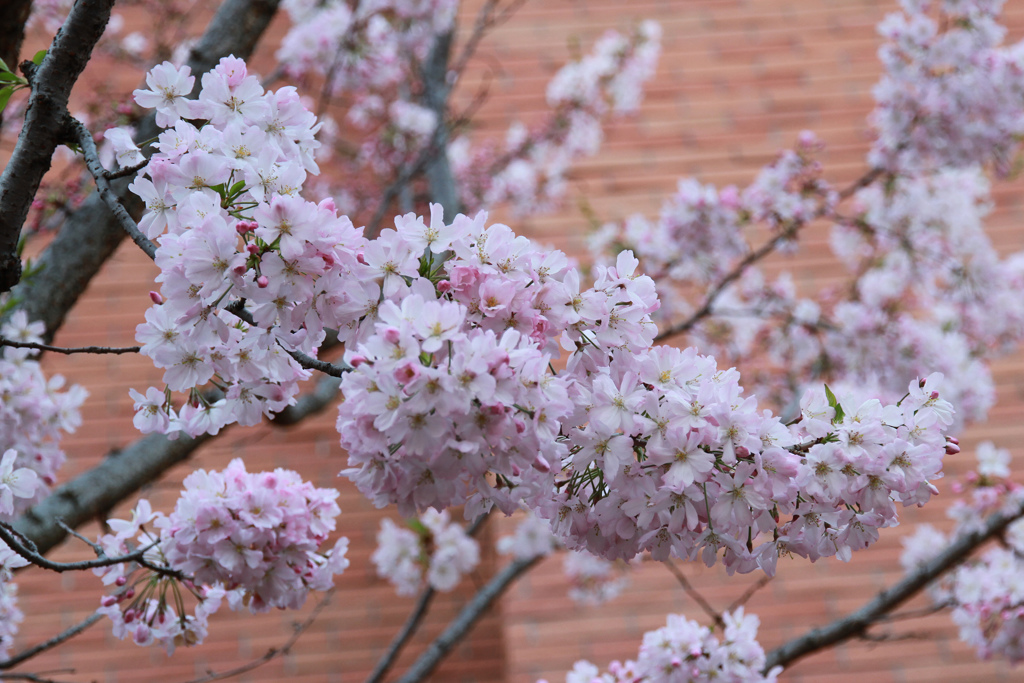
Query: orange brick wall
x=737, y=82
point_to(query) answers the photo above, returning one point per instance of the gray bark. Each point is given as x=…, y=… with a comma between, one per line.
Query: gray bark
x=43, y=130
x=857, y=623
x=436, y=90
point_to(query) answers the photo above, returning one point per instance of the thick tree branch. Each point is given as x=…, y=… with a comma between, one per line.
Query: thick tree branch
x=856, y=623
x=436, y=90
x=402, y=637
x=465, y=620
x=91, y=234
x=44, y=125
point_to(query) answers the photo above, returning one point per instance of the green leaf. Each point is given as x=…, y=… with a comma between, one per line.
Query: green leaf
x=8, y=77
x=419, y=527
x=834, y=403
x=37, y=58
x=4, y=67
x=5, y=95
x=236, y=188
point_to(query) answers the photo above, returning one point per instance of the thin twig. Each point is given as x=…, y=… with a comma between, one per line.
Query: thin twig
x=31, y=652
x=126, y=171
x=694, y=593
x=92, y=161
x=34, y=678
x=24, y=547
x=273, y=652
x=749, y=593
x=406, y=174
x=761, y=252
x=96, y=547
x=69, y=350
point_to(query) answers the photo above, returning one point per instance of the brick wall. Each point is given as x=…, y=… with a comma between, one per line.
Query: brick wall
x=737, y=82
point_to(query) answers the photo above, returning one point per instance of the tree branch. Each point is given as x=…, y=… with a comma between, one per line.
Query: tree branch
x=93, y=493
x=436, y=90
x=44, y=125
x=309, y=404
x=402, y=637
x=68, y=351
x=465, y=620
x=856, y=623
x=694, y=594
x=28, y=552
x=31, y=652
x=90, y=235
x=92, y=162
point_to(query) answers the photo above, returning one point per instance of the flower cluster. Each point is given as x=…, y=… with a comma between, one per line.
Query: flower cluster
x=594, y=580
x=252, y=538
x=237, y=231
x=10, y=617
x=674, y=459
x=531, y=538
x=433, y=550
x=987, y=593
x=452, y=400
x=686, y=652
x=951, y=95
x=34, y=413
x=699, y=236
x=365, y=47
x=529, y=170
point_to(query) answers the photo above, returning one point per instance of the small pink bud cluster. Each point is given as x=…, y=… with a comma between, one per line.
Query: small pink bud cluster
x=686, y=652
x=433, y=551
x=252, y=538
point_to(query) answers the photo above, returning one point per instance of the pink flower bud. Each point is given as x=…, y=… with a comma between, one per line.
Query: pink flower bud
x=253, y=248
x=240, y=269
x=157, y=299
x=357, y=360
x=392, y=335
x=108, y=600
x=444, y=286
x=262, y=281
